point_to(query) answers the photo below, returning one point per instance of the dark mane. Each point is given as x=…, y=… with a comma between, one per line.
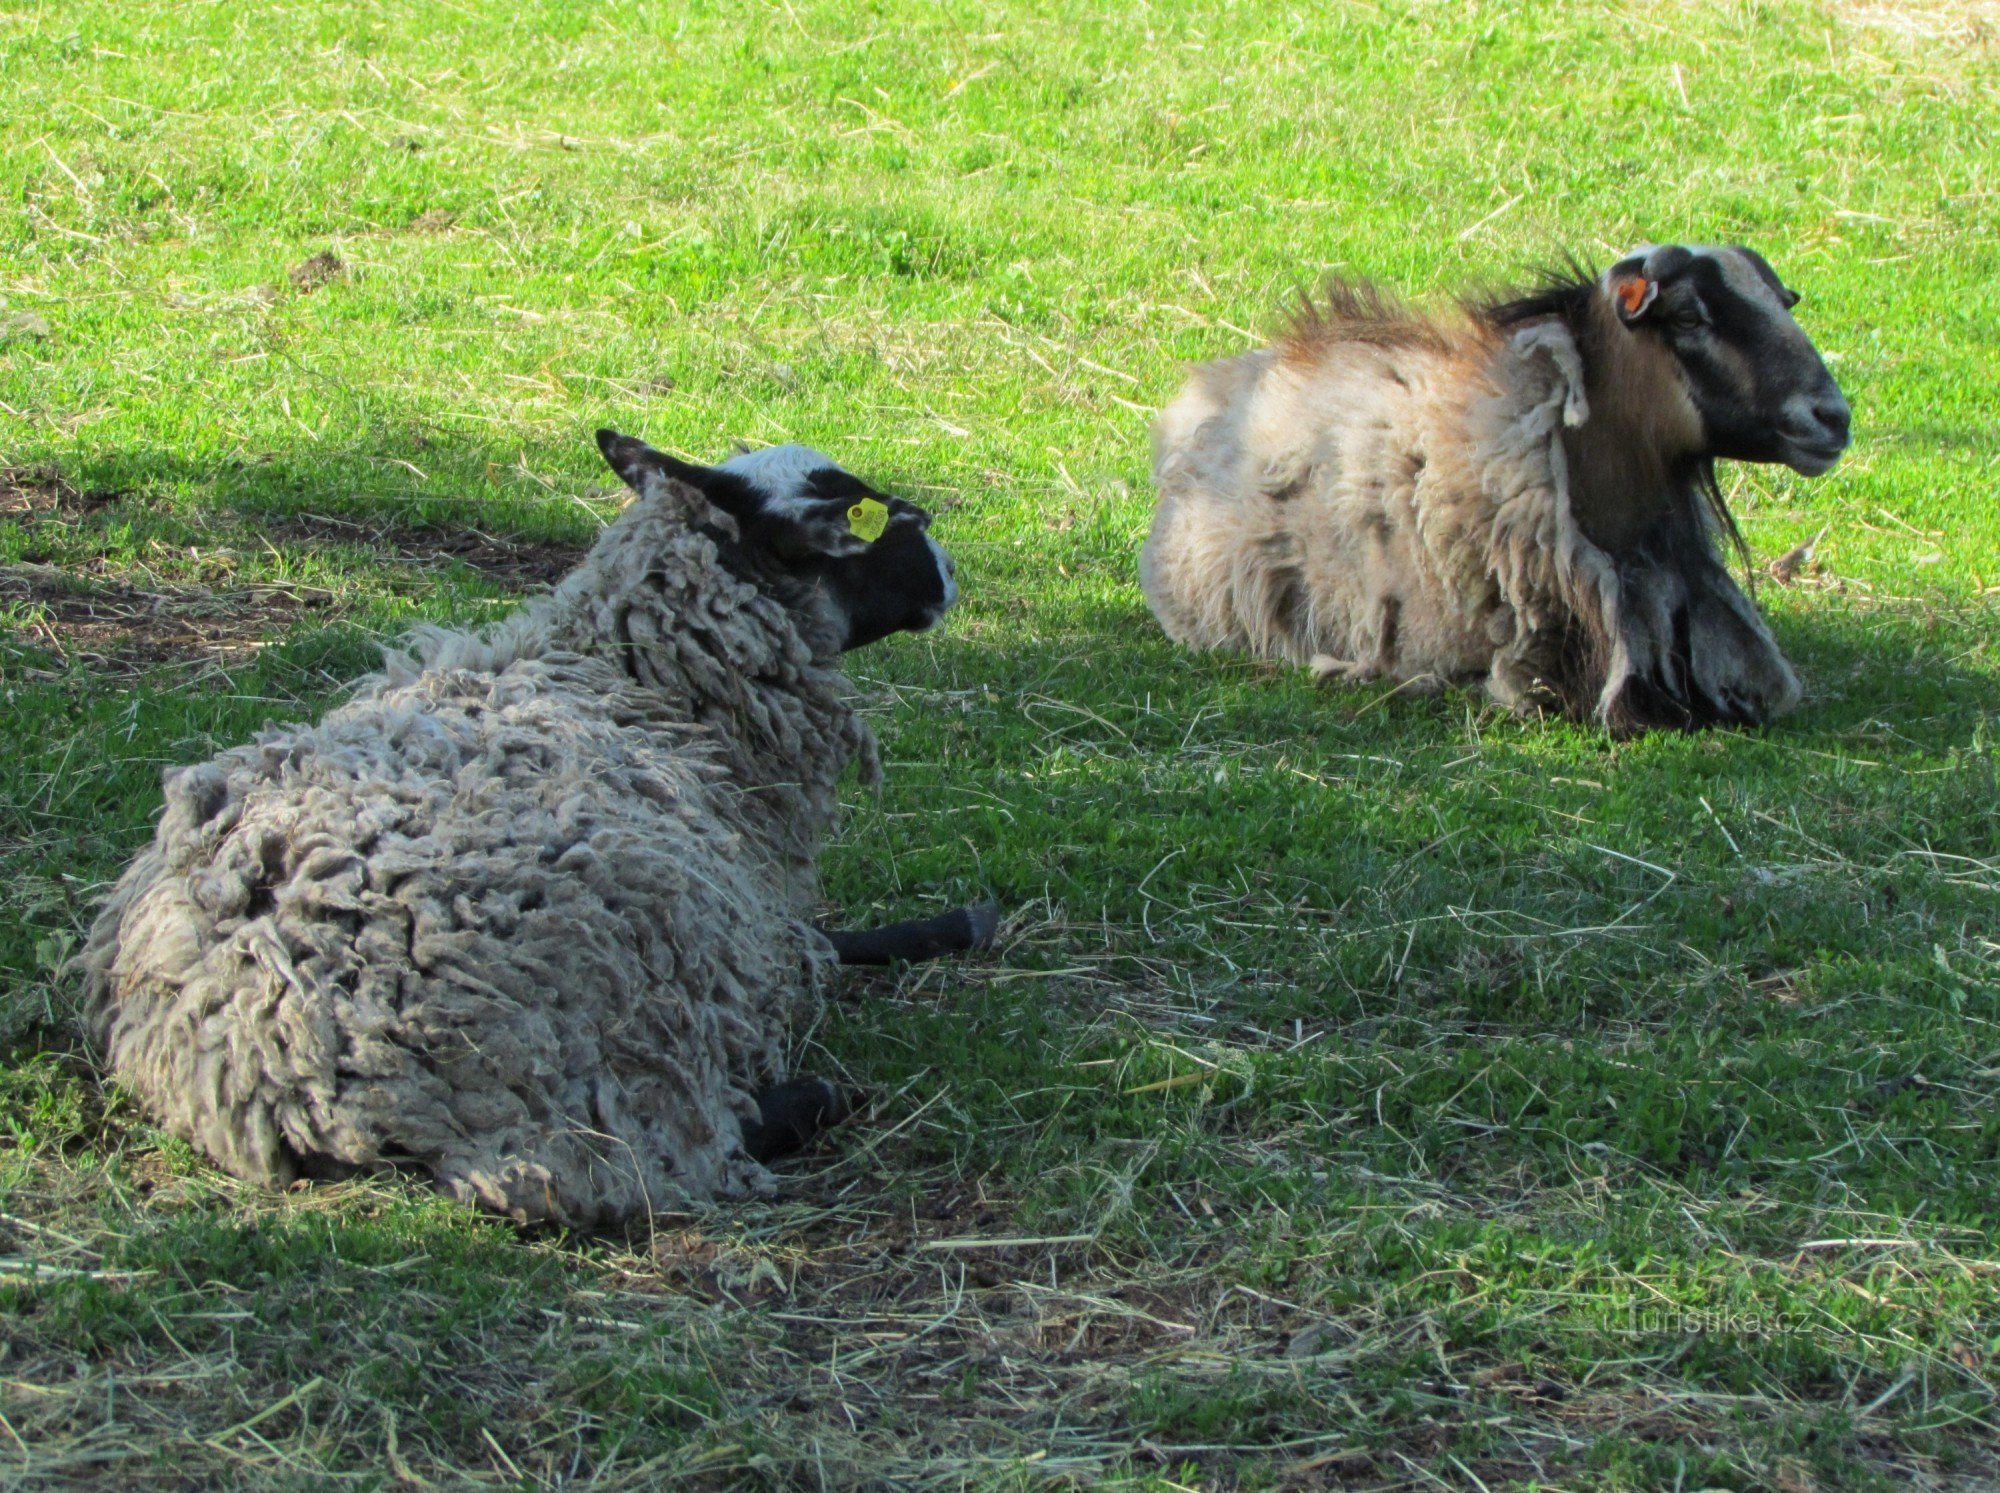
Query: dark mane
x=1561, y=290
x=1357, y=311
x=1724, y=521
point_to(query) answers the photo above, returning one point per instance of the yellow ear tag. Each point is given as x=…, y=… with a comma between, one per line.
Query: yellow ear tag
x=867, y=519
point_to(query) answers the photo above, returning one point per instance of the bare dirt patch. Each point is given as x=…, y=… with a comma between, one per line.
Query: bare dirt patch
x=115, y=628
x=512, y=563
x=31, y=494
x=309, y=275
x=124, y=625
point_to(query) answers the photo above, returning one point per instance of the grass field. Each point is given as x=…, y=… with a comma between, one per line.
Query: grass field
x=1379, y=1091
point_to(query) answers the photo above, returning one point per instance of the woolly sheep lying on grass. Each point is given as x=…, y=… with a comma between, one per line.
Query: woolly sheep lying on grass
x=1524, y=496
x=528, y=913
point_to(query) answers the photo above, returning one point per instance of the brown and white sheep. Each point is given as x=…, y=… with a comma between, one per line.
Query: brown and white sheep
x=1523, y=494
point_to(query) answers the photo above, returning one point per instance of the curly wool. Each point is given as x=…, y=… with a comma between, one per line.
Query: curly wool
x=527, y=913
x=654, y=596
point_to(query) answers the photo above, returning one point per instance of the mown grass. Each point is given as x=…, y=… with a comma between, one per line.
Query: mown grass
x=1391, y=1093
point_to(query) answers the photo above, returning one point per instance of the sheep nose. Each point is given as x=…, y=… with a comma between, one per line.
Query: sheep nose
x=1834, y=414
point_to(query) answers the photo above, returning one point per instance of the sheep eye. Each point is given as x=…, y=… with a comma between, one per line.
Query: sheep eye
x=1687, y=319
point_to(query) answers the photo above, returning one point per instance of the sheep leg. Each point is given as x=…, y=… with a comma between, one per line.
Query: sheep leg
x=953, y=932
x=790, y=1114
x=1326, y=669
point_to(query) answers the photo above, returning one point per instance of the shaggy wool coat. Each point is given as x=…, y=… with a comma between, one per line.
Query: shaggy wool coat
x=526, y=913
x=1382, y=495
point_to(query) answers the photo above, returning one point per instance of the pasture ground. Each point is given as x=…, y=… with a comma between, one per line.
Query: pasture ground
x=1367, y=1091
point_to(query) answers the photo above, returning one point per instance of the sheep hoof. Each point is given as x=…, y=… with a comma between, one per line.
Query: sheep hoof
x=1326, y=669
x=952, y=932
x=982, y=923
x=791, y=1114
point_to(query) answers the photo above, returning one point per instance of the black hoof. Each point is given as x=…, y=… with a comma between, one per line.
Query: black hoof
x=790, y=1114
x=952, y=932
x=982, y=922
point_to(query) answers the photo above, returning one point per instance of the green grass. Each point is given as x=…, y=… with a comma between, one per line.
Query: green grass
x=1424, y=1097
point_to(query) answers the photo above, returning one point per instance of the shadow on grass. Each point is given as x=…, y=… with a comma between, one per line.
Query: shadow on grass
x=408, y=482
x=1409, y=941
x=1867, y=668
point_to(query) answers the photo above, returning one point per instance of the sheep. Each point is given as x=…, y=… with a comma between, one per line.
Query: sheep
x=1523, y=495
x=528, y=913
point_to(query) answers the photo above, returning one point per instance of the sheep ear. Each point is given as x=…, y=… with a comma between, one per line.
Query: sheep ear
x=830, y=530
x=637, y=463
x=1634, y=281
x=1786, y=297
x=1633, y=294
x=640, y=465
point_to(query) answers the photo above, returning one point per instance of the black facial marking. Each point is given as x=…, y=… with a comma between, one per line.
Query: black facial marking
x=1756, y=380
x=892, y=586
x=803, y=546
x=832, y=485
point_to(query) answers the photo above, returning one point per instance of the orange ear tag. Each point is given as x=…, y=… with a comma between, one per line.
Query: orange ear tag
x=1633, y=293
x=867, y=519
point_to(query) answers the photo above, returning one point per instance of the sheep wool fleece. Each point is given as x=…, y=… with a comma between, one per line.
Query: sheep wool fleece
x=508, y=916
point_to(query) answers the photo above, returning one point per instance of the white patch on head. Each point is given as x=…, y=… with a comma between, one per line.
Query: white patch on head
x=944, y=574
x=781, y=474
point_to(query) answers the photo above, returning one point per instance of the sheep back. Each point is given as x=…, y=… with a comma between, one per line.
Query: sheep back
x=495, y=924
x=1324, y=507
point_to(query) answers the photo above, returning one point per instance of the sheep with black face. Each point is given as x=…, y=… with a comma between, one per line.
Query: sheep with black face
x=1523, y=495
x=529, y=913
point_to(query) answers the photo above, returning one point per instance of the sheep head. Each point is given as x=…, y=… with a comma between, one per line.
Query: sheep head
x=860, y=562
x=1755, y=381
